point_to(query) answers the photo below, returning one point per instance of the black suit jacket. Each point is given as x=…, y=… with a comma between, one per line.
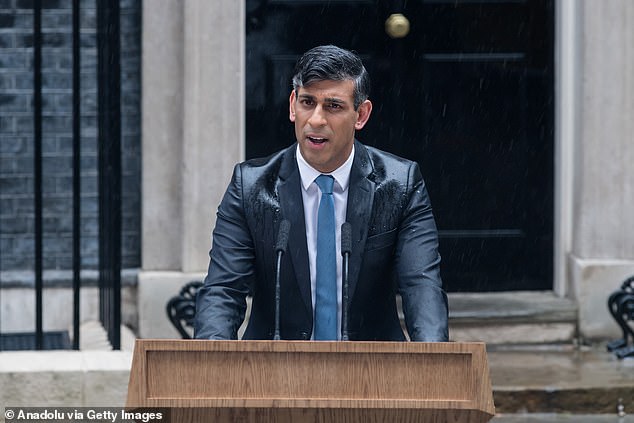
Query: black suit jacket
x=394, y=247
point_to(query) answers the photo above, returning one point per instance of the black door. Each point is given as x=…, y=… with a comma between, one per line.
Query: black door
x=467, y=93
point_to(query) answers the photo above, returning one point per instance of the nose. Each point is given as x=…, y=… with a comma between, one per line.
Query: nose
x=317, y=118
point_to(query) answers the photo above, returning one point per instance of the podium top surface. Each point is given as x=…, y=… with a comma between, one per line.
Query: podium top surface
x=311, y=346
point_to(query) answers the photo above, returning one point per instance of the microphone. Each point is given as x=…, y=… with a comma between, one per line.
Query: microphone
x=346, y=249
x=280, y=249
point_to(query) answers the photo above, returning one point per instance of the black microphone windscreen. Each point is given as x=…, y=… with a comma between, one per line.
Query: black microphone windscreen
x=346, y=238
x=282, y=236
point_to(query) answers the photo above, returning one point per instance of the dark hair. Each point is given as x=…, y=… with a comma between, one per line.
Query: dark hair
x=332, y=63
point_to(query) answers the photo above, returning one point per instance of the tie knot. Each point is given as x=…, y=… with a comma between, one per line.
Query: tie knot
x=325, y=183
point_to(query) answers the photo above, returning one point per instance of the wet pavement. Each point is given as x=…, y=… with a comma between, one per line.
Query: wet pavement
x=562, y=418
x=584, y=384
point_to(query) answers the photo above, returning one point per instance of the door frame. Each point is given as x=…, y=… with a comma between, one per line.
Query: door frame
x=566, y=89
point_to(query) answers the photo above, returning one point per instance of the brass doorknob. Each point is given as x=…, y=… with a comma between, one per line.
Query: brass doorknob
x=397, y=26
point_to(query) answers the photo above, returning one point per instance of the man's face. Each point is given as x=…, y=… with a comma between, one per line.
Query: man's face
x=325, y=122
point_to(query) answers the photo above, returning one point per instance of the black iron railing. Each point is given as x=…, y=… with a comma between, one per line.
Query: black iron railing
x=109, y=182
x=37, y=166
x=621, y=307
x=76, y=172
x=109, y=121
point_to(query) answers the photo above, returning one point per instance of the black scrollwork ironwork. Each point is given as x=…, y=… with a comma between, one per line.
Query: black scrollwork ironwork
x=621, y=307
x=181, y=309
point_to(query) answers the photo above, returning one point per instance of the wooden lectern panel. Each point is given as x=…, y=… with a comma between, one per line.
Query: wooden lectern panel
x=296, y=381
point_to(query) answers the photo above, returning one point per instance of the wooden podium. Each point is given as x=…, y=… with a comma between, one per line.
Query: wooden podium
x=304, y=381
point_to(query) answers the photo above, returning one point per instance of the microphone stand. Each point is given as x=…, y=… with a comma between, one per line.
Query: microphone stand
x=346, y=248
x=280, y=249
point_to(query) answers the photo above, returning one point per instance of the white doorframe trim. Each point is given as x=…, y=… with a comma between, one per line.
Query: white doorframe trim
x=566, y=95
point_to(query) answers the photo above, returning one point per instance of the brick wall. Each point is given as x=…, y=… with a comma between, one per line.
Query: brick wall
x=16, y=134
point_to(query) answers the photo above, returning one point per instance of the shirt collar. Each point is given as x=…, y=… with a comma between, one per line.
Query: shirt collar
x=308, y=174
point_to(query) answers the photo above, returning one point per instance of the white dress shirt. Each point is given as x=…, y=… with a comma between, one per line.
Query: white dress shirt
x=311, y=195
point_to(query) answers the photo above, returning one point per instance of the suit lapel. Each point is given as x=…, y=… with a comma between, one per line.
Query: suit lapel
x=292, y=207
x=360, y=200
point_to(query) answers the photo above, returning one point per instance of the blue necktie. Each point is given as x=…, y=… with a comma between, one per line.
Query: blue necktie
x=326, y=284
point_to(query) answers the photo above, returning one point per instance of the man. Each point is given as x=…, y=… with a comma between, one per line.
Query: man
x=325, y=179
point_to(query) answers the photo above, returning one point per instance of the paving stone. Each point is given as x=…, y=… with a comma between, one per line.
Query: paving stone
x=563, y=379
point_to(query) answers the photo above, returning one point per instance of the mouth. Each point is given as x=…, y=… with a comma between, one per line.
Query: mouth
x=316, y=140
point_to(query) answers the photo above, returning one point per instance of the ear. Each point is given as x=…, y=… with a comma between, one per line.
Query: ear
x=364, y=111
x=291, y=106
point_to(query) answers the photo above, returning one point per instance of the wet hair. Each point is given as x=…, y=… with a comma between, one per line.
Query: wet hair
x=332, y=63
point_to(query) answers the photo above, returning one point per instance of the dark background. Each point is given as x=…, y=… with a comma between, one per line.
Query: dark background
x=468, y=94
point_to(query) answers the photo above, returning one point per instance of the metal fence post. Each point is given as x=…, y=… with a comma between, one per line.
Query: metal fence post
x=109, y=91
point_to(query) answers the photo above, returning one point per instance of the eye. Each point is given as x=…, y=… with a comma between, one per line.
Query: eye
x=306, y=102
x=334, y=106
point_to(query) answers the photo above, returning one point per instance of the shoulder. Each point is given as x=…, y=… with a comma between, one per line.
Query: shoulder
x=262, y=164
x=266, y=169
x=380, y=157
x=384, y=166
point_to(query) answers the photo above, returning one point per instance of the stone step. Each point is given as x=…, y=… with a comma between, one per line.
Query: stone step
x=561, y=379
x=93, y=336
x=499, y=318
x=561, y=418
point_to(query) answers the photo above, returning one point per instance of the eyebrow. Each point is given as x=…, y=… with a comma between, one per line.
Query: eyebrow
x=334, y=100
x=326, y=100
